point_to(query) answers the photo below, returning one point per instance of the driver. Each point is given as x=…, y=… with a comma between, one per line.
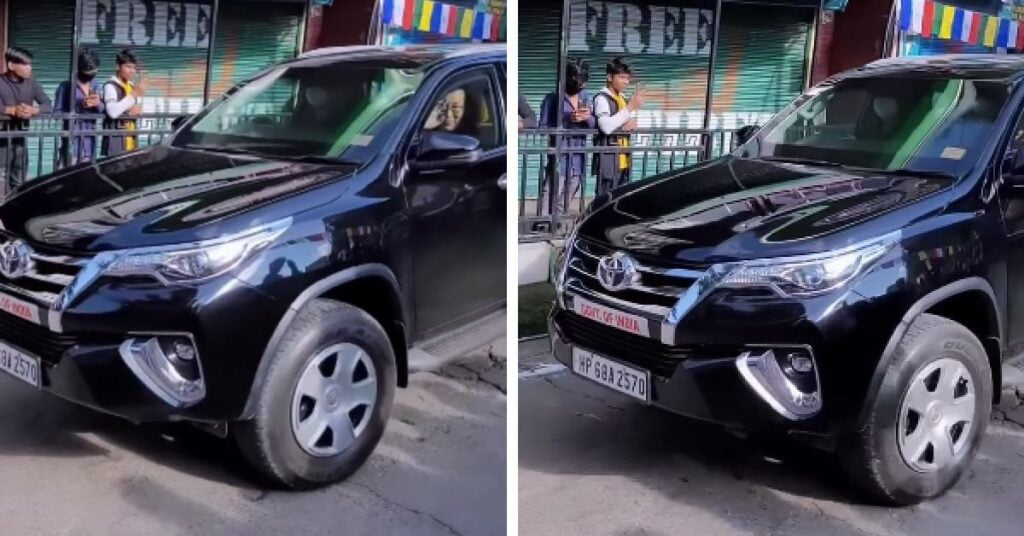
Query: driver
x=449, y=113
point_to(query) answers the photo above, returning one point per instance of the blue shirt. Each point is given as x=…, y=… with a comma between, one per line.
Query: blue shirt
x=572, y=163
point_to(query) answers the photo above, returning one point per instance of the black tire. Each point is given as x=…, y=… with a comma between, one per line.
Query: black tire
x=267, y=440
x=871, y=456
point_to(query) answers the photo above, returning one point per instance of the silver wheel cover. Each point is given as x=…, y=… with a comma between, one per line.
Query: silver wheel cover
x=937, y=416
x=333, y=399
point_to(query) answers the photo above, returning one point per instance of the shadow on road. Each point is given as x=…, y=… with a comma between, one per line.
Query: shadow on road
x=673, y=471
x=39, y=424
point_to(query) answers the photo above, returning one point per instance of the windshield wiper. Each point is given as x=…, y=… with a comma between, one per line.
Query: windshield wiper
x=926, y=173
x=798, y=160
x=306, y=158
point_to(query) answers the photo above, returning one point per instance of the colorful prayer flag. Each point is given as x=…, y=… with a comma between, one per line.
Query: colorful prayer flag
x=466, y=30
x=927, y=18
x=946, y=26
x=408, y=12
x=495, y=27
x=991, y=27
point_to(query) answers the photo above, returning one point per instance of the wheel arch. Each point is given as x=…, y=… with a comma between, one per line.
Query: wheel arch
x=971, y=302
x=361, y=286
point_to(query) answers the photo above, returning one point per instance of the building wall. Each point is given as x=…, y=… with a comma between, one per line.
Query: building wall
x=859, y=34
x=347, y=22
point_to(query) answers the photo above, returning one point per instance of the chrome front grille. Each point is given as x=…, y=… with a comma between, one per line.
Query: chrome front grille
x=47, y=277
x=657, y=291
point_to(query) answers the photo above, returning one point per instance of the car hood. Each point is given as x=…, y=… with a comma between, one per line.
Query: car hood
x=156, y=196
x=737, y=209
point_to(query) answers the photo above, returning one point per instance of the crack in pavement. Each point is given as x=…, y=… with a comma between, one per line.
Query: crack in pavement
x=390, y=501
x=476, y=376
x=584, y=395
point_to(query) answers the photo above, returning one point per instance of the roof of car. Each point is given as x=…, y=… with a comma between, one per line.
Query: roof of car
x=420, y=54
x=975, y=66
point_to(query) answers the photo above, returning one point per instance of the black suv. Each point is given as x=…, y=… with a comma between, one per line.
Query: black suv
x=278, y=266
x=845, y=276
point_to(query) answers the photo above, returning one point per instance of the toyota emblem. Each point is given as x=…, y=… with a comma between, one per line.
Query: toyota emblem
x=15, y=259
x=617, y=271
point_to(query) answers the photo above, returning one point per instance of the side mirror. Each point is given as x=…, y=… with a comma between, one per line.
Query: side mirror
x=180, y=120
x=744, y=133
x=445, y=150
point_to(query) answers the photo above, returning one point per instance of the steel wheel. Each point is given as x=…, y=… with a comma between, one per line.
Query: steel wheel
x=936, y=416
x=333, y=399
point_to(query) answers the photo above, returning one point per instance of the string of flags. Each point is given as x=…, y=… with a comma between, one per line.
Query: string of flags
x=935, y=20
x=441, y=18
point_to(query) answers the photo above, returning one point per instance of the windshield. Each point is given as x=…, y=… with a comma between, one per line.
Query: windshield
x=342, y=110
x=889, y=123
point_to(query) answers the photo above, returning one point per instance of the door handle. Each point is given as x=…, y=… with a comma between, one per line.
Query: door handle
x=503, y=182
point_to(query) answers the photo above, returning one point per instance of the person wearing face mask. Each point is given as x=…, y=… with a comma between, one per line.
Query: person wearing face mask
x=22, y=98
x=576, y=115
x=87, y=100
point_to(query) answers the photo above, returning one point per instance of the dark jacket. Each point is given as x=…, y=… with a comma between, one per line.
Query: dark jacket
x=15, y=92
x=115, y=145
x=526, y=113
x=607, y=164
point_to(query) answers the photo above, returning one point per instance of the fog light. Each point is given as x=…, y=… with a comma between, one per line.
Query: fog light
x=168, y=366
x=184, y=350
x=787, y=380
x=800, y=363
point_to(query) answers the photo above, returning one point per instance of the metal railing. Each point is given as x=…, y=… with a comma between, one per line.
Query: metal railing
x=652, y=151
x=47, y=138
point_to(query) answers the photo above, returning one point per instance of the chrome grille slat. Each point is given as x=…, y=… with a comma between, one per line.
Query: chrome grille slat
x=658, y=287
x=628, y=306
x=60, y=259
x=57, y=279
x=47, y=277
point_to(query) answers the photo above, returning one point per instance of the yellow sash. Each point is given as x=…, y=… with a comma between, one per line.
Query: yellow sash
x=129, y=141
x=624, y=140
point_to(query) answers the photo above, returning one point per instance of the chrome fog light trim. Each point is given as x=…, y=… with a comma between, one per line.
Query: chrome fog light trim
x=177, y=380
x=762, y=372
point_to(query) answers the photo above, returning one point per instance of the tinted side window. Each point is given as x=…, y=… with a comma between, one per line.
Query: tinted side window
x=467, y=105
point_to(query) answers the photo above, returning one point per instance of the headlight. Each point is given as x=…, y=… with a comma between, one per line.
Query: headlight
x=193, y=262
x=811, y=274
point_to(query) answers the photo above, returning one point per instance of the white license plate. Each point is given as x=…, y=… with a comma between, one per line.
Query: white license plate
x=623, y=378
x=631, y=323
x=19, y=364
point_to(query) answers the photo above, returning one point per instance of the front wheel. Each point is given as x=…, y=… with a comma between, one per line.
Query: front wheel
x=927, y=421
x=325, y=400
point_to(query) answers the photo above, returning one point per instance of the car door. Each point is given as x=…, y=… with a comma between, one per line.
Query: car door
x=457, y=213
x=1011, y=197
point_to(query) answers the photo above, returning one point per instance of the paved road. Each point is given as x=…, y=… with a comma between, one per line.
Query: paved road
x=439, y=471
x=592, y=462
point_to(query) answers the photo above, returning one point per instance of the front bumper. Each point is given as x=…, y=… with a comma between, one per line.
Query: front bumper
x=229, y=322
x=707, y=387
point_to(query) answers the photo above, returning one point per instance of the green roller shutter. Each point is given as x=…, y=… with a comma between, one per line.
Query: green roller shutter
x=538, y=73
x=252, y=36
x=171, y=40
x=44, y=28
x=761, y=63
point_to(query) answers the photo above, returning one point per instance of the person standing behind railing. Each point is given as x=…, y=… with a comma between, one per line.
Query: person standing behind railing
x=121, y=96
x=614, y=123
x=526, y=117
x=22, y=98
x=87, y=101
x=576, y=114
